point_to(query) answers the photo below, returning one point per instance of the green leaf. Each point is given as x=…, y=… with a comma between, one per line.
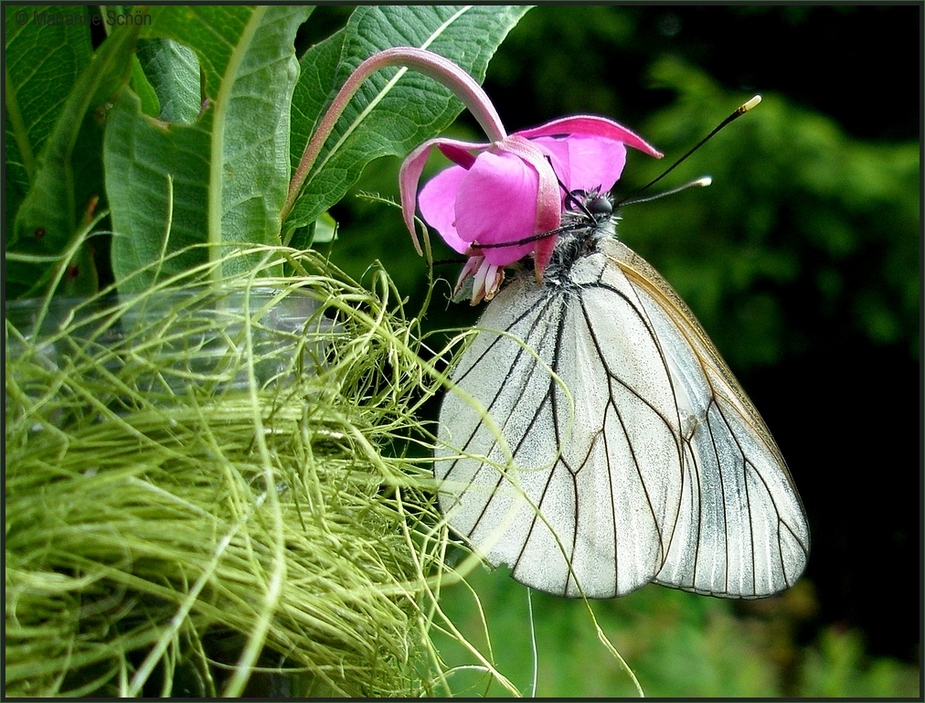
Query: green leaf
x=61, y=162
x=149, y=100
x=385, y=118
x=325, y=229
x=42, y=64
x=173, y=73
x=157, y=179
x=223, y=180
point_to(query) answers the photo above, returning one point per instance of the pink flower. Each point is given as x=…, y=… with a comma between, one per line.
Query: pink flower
x=500, y=198
x=509, y=190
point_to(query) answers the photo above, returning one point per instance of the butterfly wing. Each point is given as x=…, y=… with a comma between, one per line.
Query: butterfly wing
x=741, y=531
x=609, y=484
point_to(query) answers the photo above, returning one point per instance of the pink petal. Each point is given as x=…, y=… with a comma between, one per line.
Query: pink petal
x=479, y=278
x=493, y=282
x=472, y=265
x=548, y=199
x=496, y=203
x=410, y=174
x=585, y=163
x=460, y=157
x=438, y=205
x=591, y=126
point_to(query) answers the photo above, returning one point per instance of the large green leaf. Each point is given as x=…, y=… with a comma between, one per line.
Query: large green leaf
x=222, y=180
x=66, y=176
x=42, y=64
x=385, y=117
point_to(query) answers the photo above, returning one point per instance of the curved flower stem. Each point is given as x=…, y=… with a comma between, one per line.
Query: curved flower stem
x=427, y=62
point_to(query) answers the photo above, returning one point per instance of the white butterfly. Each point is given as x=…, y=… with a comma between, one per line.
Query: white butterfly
x=653, y=465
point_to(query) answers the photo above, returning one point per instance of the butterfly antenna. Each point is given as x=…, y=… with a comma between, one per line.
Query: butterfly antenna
x=701, y=182
x=738, y=112
x=570, y=194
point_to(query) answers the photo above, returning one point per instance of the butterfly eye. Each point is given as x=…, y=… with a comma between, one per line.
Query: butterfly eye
x=600, y=207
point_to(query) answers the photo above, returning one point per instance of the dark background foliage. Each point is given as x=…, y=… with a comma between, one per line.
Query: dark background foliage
x=802, y=260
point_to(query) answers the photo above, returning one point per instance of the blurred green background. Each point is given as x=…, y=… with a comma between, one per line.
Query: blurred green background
x=802, y=261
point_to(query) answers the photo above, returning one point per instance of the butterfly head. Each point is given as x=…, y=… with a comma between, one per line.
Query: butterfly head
x=588, y=207
x=587, y=218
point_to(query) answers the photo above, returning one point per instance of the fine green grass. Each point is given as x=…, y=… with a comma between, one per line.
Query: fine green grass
x=209, y=491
